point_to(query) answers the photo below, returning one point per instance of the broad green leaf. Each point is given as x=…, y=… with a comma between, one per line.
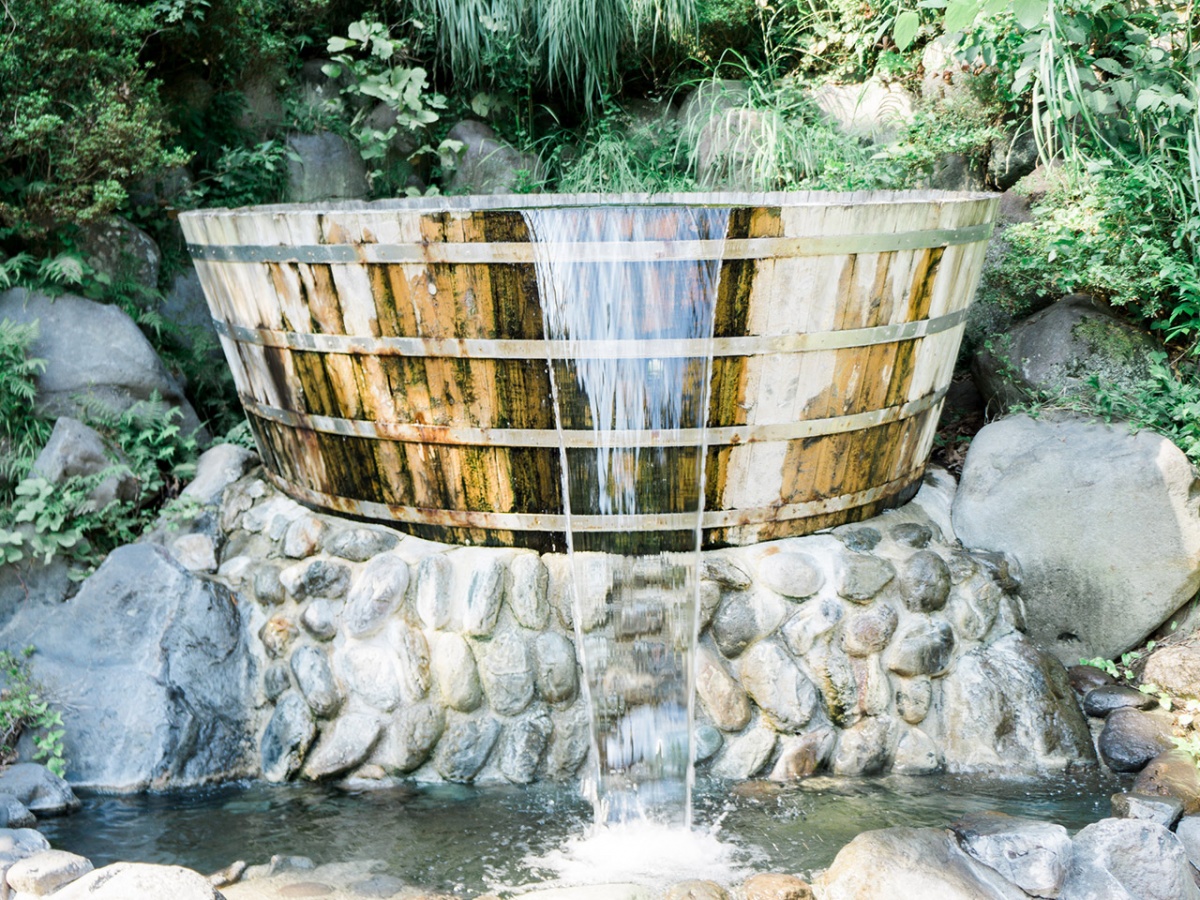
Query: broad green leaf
x=1030, y=13
x=1147, y=99
x=904, y=30
x=1109, y=65
x=960, y=14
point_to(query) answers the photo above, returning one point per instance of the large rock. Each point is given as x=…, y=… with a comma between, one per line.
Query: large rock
x=1056, y=351
x=46, y=872
x=75, y=449
x=1103, y=522
x=168, y=687
x=140, y=881
x=1010, y=707
x=324, y=167
x=1128, y=859
x=95, y=355
x=1033, y=855
x=487, y=165
x=1175, y=668
x=911, y=862
x=38, y=789
x=121, y=251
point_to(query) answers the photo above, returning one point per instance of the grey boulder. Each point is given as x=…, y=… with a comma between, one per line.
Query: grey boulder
x=95, y=355
x=1054, y=352
x=150, y=668
x=140, y=881
x=38, y=789
x=1104, y=524
x=488, y=165
x=324, y=167
x=1128, y=859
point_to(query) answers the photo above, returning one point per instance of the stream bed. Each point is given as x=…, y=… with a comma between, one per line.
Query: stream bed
x=472, y=839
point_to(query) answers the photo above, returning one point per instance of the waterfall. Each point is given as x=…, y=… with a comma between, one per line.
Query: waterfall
x=605, y=292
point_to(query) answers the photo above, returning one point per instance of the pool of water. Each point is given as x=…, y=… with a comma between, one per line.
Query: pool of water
x=471, y=839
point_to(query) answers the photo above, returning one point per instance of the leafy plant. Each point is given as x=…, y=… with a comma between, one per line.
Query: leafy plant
x=25, y=708
x=22, y=430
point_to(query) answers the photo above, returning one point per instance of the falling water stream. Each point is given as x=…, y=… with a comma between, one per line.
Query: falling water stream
x=633, y=499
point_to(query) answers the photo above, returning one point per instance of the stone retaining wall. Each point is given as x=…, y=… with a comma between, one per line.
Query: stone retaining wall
x=879, y=647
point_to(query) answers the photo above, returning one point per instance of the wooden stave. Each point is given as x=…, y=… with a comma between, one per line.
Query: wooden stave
x=715, y=536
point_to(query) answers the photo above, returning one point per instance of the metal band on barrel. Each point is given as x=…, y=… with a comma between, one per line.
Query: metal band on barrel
x=587, y=438
x=555, y=522
x=479, y=252
x=661, y=348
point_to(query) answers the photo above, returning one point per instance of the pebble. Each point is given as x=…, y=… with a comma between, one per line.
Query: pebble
x=1131, y=738
x=1099, y=702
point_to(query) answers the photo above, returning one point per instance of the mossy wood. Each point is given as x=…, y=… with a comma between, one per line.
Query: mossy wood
x=392, y=362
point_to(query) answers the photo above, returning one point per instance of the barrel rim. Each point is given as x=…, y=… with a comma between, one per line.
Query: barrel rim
x=466, y=203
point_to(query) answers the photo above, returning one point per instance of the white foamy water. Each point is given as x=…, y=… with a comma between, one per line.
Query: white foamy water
x=644, y=852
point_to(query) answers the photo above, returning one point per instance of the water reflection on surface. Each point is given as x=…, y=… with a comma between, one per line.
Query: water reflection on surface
x=469, y=839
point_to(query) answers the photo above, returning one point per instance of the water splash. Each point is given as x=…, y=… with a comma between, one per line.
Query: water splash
x=635, y=589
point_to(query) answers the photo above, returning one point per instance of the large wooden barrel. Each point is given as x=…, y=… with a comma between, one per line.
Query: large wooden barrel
x=393, y=365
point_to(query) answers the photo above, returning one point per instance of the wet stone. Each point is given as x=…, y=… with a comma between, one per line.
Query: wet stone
x=1166, y=811
x=268, y=590
x=795, y=575
x=1003, y=569
x=724, y=572
x=874, y=690
x=342, y=746
x=778, y=686
x=859, y=540
x=484, y=595
x=435, y=578
x=802, y=755
x=523, y=746
x=745, y=755
x=508, y=676
x=412, y=659
x=719, y=693
x=912, y=534
x=635, y=618
x=916, y=754
x=569, y=744
x=375, y=595
x=1088, y=678
x=869, y=631
x=1099, y=702
x=319, y=578
x=315, y=680
x=277, y=635
x=276, y=680
x=861, y=577
x=46, y=872
x=359, y=544
x=735, y=625
x=557, y=679
x=465, y=747
x=1033, y=855
x=696, y=890
x=923, y=648
x=707, y=741
x=455, y=672
x=814, y=621
x=961, y=566
x=1131, y=738
x=925, y=582
x=710, y=599
x=289, y=734
x=14, y=813
x=775, y=886
x=913, y=698
x=973, y=612
x=320, y=618
x=864, y=748
x=529, y=596
x=835, y=678
x=1172, y=774
x=410, y=737
x=370, y=675
x=302, y=537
